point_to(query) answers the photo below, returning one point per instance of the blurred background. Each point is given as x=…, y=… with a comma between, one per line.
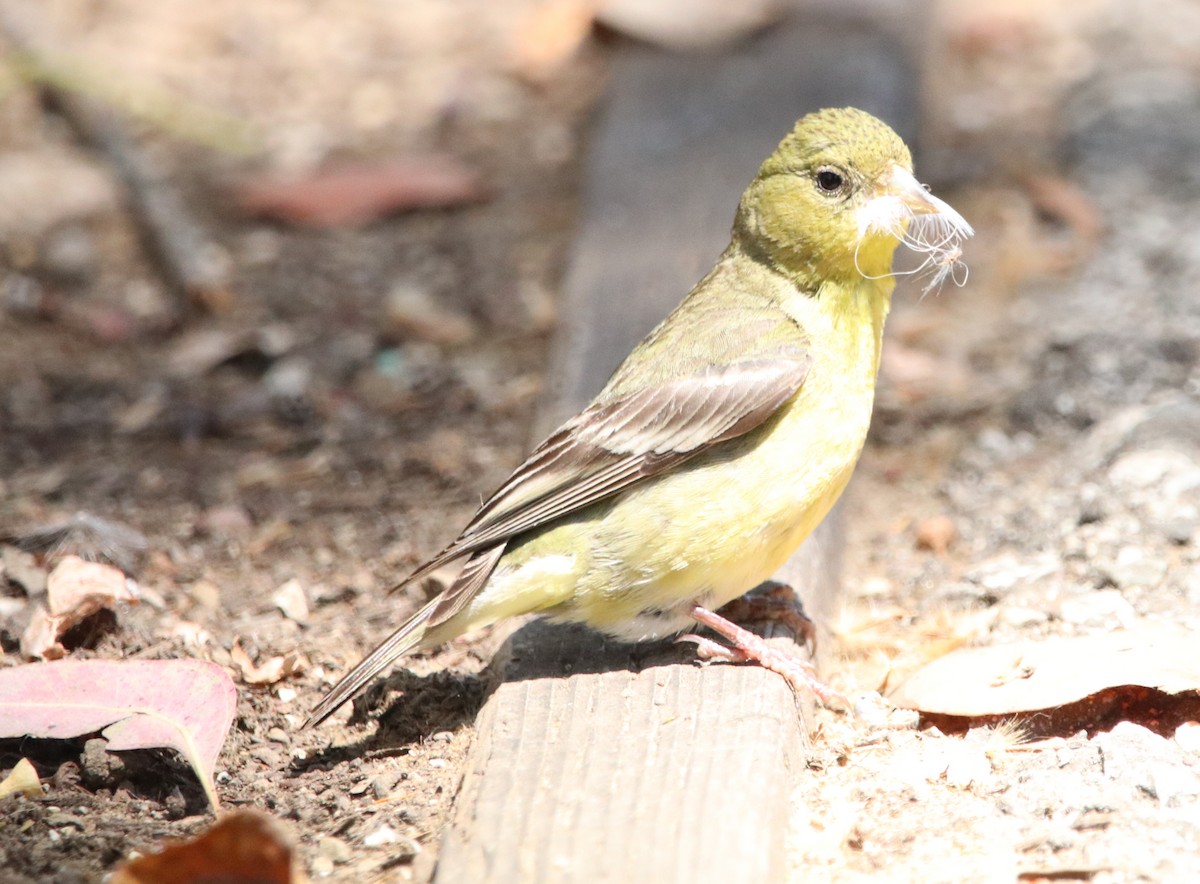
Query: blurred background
x=278, y=283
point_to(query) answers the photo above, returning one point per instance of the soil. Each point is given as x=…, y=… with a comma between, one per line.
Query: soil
x=1033, y=469
x=302, y=435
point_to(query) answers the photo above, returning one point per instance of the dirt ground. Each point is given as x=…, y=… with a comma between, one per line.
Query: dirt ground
x=303, y=435
x=1034, y=469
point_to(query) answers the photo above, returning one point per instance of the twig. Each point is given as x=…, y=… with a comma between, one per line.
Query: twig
x=183, y=253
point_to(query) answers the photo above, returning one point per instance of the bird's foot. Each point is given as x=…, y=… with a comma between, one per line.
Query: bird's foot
x=774, y=602
x=746, y=647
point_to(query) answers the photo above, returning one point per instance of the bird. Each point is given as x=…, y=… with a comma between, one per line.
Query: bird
x=726, y=435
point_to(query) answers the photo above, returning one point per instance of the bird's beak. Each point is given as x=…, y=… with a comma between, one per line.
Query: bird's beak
x=898, y=198
x=913, y=194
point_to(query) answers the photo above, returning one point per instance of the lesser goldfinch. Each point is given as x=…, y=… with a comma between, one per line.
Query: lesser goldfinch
x=725, y=436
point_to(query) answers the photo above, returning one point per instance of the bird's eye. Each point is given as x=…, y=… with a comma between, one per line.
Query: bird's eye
x=830, y=180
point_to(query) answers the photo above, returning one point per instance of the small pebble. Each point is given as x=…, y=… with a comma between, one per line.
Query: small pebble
x=1181, y=530
x=269, y=757
x=100, y=768
x=175, y=804
x=335, y=850
x=291, y=599
x=289, y=378
x=381, y=836
x=1134, y=567
x=1100, y=607
x=380, y=788
x=936, y=534
x=413, y=310
x=206, y=594
x=69, y=253
x=1021, y=617
x=322, y=867
x=1173, y=781
x=1187, y=735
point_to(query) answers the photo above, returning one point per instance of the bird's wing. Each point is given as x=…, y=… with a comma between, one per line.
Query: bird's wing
x=614, y=445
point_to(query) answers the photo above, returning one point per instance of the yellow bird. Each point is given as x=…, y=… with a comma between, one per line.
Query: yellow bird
x=726, y=435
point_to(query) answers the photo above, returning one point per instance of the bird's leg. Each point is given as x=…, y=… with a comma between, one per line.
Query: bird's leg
x=776, y=602
x=746, y=647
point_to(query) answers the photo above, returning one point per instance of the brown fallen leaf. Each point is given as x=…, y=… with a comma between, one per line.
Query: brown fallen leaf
x=1043, y=674
x=75, y=590
x=21, y=780
x=273, y=670
x=185, y=705
x=353, y=195
x=244, y=847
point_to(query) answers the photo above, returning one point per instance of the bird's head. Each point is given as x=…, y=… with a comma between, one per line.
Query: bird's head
x=838, y=196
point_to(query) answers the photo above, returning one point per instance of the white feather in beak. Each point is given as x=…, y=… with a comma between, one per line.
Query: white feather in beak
x=902, y=207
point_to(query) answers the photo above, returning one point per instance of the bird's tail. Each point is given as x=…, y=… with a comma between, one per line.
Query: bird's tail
x=400, y=642
x=435, y=623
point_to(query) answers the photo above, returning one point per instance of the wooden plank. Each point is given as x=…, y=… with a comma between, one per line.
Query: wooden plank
x=596, y=761
x=632, y=767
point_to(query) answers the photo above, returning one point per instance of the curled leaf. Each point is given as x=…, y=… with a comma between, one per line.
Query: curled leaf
x=272, y=670
x=21, y=780
x=1034, y=675
x=244, y=847
x=185, y=705
x=75, y=590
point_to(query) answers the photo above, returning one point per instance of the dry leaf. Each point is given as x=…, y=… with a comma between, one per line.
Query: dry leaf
x=353, y=195
x=75, y=590
x=273, y=670
x=292, y=601
x=75, y=583
x=245, y=847
x=1033, y=675
x=23, y=780
x=185, y=705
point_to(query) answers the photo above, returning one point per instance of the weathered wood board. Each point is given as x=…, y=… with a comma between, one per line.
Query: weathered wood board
x=599, y=762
